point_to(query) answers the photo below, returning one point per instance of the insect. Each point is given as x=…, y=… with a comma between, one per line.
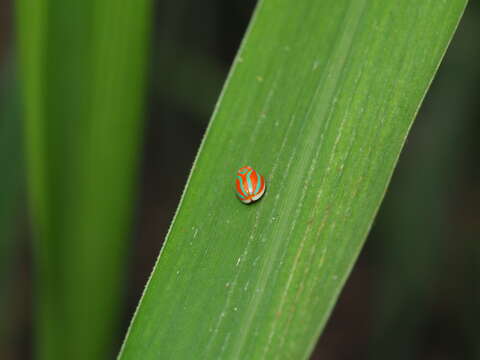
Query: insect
x=250, y=185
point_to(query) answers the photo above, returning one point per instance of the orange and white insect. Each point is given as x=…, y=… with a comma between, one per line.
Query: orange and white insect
x=250, y=185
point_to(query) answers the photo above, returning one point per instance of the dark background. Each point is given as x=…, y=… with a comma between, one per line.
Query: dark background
x=414, y=292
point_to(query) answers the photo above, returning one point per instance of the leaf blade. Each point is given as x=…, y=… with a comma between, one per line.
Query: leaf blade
x=83, y=73
x=315, y=102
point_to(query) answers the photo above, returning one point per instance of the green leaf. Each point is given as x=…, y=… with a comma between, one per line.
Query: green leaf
x=10, y=186
x=319, y=100
x=83, y=66
x=416, y=259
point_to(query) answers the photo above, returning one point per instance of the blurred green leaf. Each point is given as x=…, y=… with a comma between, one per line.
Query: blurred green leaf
x=320, y=100
x=83, y=66
x=10, y=185
x=412, y=279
